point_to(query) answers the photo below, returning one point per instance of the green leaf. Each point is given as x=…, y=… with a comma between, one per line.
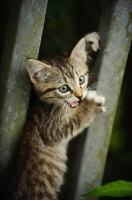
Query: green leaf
x=113, y=189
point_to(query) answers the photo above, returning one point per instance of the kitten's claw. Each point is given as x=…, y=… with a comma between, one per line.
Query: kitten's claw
x=98, y=100
x=103, y=109
x=93, y=38
x=90, y=58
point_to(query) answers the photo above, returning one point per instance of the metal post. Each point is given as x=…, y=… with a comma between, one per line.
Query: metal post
x=90, y=150
x=25, y=27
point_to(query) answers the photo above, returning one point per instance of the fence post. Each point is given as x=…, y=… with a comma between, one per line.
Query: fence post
x=90, y=150
x=24, y=32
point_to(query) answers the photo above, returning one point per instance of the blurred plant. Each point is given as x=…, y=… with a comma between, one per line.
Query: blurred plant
x=113, y=189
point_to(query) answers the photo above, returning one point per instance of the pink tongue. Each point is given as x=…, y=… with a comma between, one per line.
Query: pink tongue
x=73, y=104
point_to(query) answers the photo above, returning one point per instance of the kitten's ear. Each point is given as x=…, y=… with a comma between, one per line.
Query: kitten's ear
x=38, y=71
x=78, y=53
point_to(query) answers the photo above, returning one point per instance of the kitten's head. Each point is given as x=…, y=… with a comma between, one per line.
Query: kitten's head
x=61, y=79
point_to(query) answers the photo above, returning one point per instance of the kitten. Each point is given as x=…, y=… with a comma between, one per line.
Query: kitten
x=64, y=108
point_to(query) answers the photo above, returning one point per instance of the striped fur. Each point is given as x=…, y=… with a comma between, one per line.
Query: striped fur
x=54, y=118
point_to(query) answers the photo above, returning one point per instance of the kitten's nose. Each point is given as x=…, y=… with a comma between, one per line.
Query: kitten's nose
x=78, y=93
x=79, y=97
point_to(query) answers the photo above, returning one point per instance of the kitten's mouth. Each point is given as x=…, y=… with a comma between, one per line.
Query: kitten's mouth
x=73, y=104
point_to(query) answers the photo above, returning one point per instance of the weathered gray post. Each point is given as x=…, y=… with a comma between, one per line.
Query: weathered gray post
x=23, y=40
x=90, y=150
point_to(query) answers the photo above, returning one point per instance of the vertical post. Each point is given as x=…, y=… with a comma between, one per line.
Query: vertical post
x=24, y=32
x=90, y=151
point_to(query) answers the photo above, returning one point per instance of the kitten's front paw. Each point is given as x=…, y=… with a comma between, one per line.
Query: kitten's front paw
x=97, y=101
x=93, y=40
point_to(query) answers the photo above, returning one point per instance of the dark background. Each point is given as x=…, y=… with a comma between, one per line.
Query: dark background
x=65, y=23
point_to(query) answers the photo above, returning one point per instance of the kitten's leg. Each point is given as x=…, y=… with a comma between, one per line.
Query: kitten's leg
x=92, y=41
x=87, y=110
x=84, y=48
x=95, y=102
x=92, y=44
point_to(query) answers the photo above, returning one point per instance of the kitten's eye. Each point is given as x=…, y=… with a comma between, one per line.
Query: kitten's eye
x=81, y=79
x=64, y=88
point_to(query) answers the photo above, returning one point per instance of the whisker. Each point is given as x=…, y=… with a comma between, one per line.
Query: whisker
x=60, y=112
x=55, y=106
x=50, y=122
x=106, y=95
x=92, y=87
x=37, y=102
x=102, y=89
x=97, y=86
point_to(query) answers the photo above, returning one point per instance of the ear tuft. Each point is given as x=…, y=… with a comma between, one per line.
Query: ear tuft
x=38, y=71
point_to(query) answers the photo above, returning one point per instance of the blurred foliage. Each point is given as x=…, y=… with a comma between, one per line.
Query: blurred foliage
x=114, y=189
x=65, y=23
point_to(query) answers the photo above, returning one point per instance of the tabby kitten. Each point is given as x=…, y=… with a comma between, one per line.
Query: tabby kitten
x=64, y=108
